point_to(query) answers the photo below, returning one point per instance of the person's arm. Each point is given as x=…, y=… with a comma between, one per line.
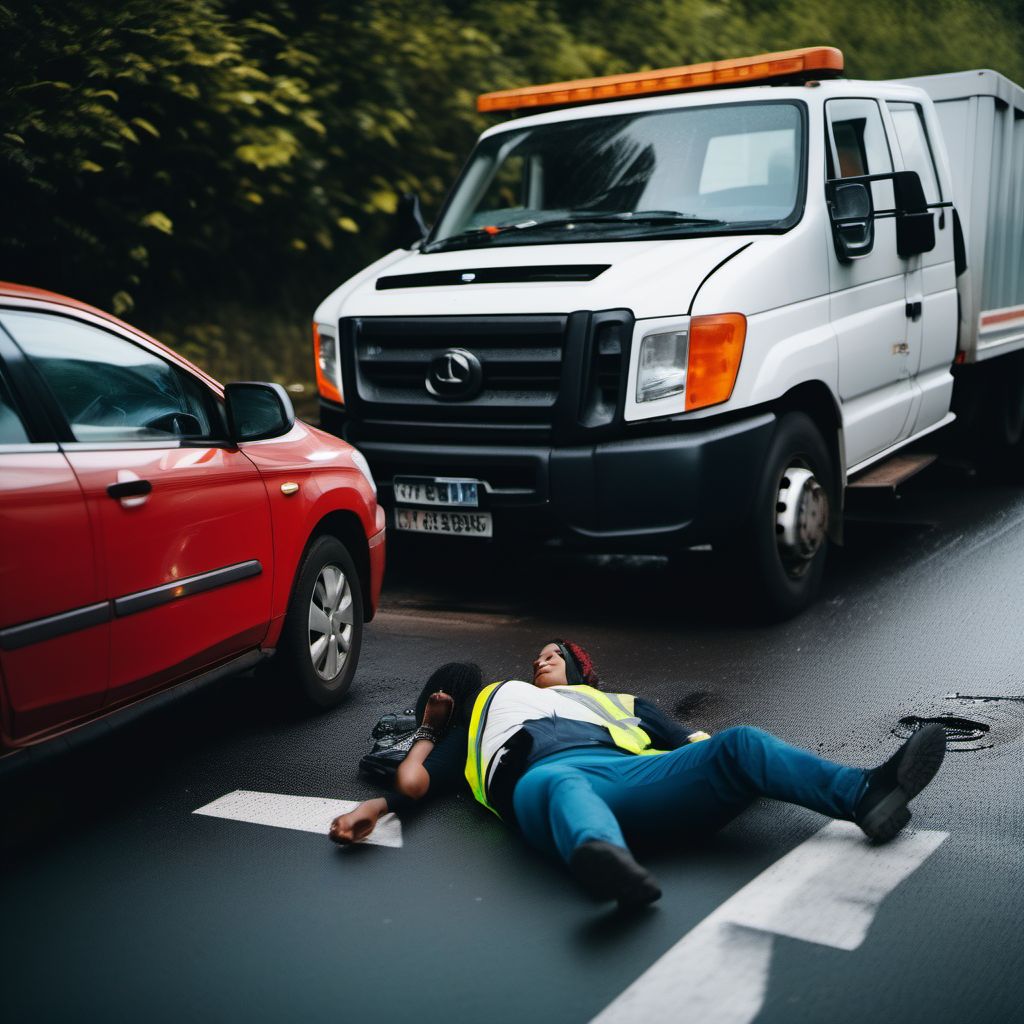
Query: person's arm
x=413, y=778
x=435, y=767
x=665, y=732
x=358, y=824
x=440, y=771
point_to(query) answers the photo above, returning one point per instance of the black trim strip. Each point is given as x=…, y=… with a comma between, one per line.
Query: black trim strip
x=146, y=599
x=495, y=275
x=54, y=626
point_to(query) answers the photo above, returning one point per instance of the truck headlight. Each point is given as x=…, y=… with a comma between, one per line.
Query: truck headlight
x=328, y=373
x=661, y=369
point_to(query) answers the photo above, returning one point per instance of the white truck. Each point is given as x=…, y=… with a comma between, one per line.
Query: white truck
x=692, y=306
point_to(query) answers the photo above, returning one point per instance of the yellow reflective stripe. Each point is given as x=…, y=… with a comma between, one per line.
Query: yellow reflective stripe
x=619, y=720
x=621, y=700
x=474, y=748
x=614, y=703
x=700, y=734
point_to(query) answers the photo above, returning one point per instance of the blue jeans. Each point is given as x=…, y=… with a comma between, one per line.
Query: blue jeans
x=591, y=793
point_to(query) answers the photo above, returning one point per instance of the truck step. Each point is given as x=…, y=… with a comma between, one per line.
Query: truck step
x=888, y=475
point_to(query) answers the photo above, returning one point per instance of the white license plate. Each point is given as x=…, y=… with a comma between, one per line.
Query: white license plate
x=456, y=524
x=431, y=490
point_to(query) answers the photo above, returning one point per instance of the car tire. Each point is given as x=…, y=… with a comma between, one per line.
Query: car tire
x=779, y=551
x=323, y=630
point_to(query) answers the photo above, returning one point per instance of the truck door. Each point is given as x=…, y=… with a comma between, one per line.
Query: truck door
x=869, y=295
x=931, y=276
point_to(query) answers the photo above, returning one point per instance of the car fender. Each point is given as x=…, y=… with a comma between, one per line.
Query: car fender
x=310, y=478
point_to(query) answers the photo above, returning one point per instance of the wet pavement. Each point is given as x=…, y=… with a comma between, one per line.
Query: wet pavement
x=120, y=904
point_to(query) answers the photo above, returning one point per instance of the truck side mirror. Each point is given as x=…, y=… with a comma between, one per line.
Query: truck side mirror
x=915, y=223
x=853, y=226
x=410, y=226
x=257, y=411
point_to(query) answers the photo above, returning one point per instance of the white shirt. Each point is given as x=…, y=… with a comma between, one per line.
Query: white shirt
x=516, y=703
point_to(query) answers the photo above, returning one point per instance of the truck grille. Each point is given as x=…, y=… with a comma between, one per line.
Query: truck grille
x=521, y=360
x=538, y=379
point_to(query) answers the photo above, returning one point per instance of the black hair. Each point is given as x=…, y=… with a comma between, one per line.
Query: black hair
x=579, y=666
x=462, y=681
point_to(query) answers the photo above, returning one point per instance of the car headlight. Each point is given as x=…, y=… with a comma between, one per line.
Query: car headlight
x=661, y=368
x=359, y=461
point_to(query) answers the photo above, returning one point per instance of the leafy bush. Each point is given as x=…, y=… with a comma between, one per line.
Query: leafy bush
x=211, y=168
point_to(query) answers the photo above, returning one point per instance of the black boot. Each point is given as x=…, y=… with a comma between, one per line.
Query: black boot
x=882, y=811
x=608, y=872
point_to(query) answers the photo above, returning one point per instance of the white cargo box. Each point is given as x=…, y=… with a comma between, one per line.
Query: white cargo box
x=982, y=118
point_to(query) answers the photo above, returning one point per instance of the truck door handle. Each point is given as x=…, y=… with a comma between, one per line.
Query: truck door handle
x=913, y=310
x=129, y=489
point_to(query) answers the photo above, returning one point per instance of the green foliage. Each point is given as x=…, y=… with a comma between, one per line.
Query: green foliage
x=193, y=163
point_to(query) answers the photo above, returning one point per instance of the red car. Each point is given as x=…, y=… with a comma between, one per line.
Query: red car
x=158, y=529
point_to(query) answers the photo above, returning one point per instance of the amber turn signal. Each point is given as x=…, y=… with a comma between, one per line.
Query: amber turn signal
x=325, y=359
x=715, y=351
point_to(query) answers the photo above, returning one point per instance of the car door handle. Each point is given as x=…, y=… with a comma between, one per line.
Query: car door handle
x=913, y=310
x=129, y=489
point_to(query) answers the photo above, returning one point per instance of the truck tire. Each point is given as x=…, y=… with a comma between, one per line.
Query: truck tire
x=781, y=547
x=1003, y=442
x=323, y=630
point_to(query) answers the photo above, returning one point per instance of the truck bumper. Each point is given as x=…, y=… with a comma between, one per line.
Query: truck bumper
x=655, y=493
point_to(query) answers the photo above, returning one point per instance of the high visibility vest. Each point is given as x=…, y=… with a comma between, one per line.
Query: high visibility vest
x=476, y=770
x=616, y=711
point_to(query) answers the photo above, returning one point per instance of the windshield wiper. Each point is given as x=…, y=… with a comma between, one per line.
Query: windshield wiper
x=484, y=234
x=645, y=218
x=654, y=218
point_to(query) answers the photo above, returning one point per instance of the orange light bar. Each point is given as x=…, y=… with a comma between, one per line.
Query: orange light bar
x=715, y=350
x=324, y=384
x=821, y=61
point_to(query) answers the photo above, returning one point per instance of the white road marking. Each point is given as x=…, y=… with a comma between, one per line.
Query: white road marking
x=825, y=891
x=305, y=813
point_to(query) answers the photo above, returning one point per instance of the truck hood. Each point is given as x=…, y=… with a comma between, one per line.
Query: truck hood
x=656, y=278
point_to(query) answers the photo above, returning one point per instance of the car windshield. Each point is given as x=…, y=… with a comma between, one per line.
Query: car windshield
x=658, y=173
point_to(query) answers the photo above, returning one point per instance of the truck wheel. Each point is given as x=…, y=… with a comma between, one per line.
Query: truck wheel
x=323, y=630
x=1003, y=446
x=784, y=541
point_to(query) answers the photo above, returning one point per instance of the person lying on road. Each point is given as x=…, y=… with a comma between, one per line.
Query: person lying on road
x=579, y=769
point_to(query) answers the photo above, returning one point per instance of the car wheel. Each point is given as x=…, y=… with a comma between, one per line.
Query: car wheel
x=781, y=548
x=323, y=630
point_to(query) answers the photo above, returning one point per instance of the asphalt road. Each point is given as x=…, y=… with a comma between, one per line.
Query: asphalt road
x=120, y=904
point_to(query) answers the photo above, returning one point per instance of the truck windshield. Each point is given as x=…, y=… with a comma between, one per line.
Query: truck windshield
x=665, y=173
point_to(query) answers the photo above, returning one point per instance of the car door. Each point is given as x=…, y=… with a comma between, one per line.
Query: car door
x=868, y=294
x=183, y=516
x=54, y=623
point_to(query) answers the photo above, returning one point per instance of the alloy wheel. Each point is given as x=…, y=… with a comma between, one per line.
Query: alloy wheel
x=331, y=619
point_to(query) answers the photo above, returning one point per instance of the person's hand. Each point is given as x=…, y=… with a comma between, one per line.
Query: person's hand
x=356, y=825
x=438, y=711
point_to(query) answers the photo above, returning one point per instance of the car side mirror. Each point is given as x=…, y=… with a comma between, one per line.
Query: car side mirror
x=257, y=411
x=410, y=227
x=915, y=223
x=852, y=214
